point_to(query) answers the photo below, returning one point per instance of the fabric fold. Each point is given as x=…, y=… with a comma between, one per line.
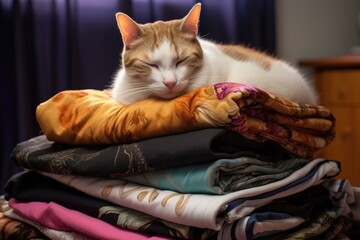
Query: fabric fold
x=113, y=161
x=220, y=177
x=320, y=210
x=279, y=216
x=11, y=228
x=31, y=186
x=92, y=117
x=57, y=217
x=199, y=210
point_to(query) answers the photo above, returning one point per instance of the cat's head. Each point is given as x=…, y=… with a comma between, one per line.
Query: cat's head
x=161, y=57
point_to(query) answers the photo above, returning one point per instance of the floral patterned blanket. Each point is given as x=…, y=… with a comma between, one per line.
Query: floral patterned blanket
x=92, y=117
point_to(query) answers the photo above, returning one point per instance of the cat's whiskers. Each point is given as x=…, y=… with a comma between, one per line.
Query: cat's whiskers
x=204, y=36
x=136, y=88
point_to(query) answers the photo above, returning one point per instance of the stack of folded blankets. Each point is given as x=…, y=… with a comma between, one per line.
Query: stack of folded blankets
x=227, y=161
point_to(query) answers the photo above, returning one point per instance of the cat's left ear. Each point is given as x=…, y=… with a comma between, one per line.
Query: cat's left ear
x=191, y=21
x=130, y=30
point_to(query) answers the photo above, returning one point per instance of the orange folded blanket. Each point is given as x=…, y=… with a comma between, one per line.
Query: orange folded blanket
x=92, y=117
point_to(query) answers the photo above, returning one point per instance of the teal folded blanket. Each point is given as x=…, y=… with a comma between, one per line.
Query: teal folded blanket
x=220, y=177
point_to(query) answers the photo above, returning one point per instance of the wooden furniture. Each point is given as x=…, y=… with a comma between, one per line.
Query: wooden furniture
x=338, y=83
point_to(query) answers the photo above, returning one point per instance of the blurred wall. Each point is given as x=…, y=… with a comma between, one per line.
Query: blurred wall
x=309, y=29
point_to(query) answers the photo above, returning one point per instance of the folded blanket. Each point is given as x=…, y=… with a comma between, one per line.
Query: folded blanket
x=220, y=177
x=31, y=186
x=279, y=216
x=92, y=117
x=206, y=145
x=57, y=217
x=200, y=210
x=313, y=208
x=327, y=225
x=11, y=229
x=47, y=233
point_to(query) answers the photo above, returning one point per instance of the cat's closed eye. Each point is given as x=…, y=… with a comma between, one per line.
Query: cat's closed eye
x=180, y=61
x=149, y=64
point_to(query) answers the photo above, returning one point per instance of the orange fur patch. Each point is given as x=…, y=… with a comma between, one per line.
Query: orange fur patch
x=247, y=54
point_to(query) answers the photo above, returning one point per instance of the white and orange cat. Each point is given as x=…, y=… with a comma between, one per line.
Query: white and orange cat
x=168, y=59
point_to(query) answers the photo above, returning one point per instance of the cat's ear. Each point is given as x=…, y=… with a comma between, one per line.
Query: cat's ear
x=130, y=30
x=191, y=20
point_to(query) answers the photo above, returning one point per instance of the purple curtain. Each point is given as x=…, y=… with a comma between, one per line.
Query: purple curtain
x=54, y=45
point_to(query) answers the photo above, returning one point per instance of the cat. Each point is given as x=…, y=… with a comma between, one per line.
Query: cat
x=166, y=59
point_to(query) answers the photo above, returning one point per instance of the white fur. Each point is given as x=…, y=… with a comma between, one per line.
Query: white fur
x=281, y=79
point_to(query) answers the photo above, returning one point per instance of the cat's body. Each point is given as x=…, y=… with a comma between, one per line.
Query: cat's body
x=167, y=59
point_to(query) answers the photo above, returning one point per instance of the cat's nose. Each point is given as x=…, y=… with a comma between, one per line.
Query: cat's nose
x=169, y=84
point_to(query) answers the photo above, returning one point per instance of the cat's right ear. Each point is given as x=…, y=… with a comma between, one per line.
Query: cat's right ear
x=130, y=30
x=190, y=22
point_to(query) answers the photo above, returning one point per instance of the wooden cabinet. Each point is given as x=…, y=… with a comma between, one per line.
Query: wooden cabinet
x=338, y=83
